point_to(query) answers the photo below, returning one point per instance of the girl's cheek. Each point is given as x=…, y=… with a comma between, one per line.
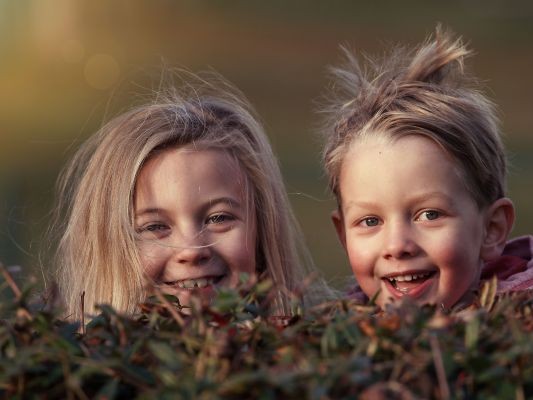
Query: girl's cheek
x=151, y=259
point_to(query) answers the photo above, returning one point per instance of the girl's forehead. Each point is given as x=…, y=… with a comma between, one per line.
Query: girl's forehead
x=204, y=167
x=194, y=155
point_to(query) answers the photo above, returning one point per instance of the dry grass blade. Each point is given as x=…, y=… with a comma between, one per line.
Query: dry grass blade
x=487, y=297
x=439, y=368
x=10, y=281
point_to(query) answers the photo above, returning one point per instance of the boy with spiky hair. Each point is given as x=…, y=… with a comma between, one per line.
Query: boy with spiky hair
x=414, y=157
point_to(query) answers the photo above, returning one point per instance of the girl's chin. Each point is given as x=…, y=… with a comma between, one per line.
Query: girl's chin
x=205, y=294
x=185, y=296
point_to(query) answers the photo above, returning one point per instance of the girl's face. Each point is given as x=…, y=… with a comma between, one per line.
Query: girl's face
x=195, y=229
x=407, y=222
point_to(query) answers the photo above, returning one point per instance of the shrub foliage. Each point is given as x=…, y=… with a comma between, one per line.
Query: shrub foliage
x=231, y=349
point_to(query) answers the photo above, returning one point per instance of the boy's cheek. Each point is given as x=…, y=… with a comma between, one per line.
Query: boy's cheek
x=359, y=254
x=363, y=272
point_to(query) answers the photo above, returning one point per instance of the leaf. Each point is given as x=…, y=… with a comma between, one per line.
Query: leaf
x=109, y=391
x=472, y=333
x=165, y=353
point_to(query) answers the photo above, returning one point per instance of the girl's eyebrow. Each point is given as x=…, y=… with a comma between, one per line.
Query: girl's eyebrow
x=229, y=200
x=210, y=203
x=150, y=210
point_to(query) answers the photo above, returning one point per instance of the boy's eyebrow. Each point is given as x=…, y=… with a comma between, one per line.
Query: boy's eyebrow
x=414, y=199
x=431, y=195
x=359, y=203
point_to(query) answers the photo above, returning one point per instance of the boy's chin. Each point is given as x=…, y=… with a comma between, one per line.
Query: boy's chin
x=422, y=293
x=445, y=304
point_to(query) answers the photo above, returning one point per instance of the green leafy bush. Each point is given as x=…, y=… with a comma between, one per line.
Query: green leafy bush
x=231, y=350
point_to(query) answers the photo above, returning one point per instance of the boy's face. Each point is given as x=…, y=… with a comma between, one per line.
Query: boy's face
x=407, y=222
x=194, y=229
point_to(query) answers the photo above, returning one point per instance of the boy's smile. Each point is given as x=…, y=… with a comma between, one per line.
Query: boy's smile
x=407, y=221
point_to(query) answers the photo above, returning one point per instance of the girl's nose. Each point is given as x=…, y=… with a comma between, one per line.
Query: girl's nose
x=399, y=241
x=192, y=251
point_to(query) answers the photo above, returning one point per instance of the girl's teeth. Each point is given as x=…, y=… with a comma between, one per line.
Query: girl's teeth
x=195, y=283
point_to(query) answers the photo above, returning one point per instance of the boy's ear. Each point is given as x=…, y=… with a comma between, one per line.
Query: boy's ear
x=338, y=222
x=498, y=224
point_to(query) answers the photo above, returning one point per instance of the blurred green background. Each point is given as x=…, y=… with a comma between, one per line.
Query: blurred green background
x=68, y=65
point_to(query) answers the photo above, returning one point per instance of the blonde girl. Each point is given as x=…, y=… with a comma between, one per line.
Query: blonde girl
x=184, y=193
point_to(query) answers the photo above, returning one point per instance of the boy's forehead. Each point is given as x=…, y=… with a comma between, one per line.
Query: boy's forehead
x=414, y=160
x=372, y=137
x=411, y=144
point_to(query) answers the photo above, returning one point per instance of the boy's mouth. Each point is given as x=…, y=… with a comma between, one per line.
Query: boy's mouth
x=407, y=283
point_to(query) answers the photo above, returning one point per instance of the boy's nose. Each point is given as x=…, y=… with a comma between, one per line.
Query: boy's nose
x=399, y=242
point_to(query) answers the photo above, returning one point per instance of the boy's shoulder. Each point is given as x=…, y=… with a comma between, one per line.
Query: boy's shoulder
x=514, y=268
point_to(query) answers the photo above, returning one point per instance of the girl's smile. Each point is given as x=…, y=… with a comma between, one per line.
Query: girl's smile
x=195, y=228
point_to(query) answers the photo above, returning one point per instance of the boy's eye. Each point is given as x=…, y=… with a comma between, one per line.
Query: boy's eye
x=429, y=215
x=369, y=221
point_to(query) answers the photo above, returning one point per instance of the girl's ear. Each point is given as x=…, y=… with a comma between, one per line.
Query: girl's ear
x=498, y=224
x=338, y=222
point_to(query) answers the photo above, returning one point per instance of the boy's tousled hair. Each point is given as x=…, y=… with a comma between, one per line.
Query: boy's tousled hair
x=97, y=253
x=423, y=91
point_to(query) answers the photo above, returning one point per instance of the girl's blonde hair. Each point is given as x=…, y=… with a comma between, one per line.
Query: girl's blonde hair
x=97, y=253
x=423, y=91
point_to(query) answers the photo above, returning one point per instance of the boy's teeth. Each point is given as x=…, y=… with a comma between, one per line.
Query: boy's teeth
x=195, y=283
x=409, y=278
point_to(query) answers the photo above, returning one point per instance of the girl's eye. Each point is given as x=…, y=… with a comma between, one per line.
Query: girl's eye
x=429, y=215
x=369, y=221
x=153, y=228
x=219, y=218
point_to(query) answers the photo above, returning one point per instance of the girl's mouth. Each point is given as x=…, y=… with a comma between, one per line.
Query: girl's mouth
x=410, y=284
x=197, y=283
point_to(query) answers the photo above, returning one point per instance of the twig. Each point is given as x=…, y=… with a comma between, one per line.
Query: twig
x=169, y=307
x=439, y=368
x=82, y=305
x=10, y=281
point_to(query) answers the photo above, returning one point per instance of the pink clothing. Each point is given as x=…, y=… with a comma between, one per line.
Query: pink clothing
x=514, y=269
